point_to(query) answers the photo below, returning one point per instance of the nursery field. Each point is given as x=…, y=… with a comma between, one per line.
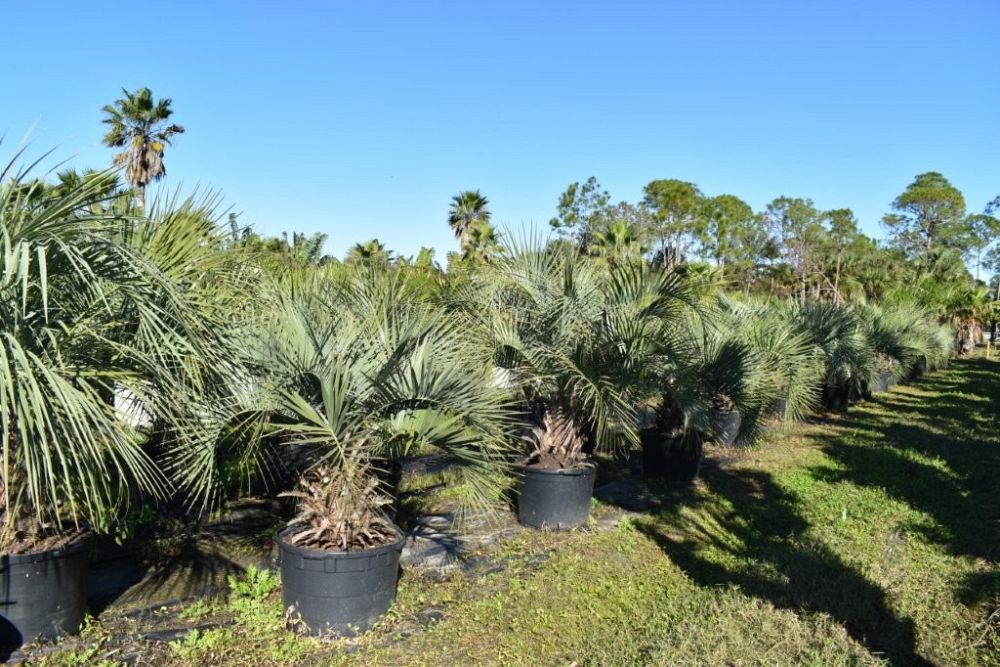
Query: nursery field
x=865, y=538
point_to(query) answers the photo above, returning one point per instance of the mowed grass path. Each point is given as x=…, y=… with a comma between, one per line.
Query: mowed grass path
x=868, y=538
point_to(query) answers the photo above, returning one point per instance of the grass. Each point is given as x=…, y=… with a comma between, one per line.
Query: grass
x=866, y=538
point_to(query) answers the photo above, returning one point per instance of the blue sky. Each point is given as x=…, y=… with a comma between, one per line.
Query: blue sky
x=362, y=119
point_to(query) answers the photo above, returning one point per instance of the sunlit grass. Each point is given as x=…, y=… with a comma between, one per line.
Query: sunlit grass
x=859, y=539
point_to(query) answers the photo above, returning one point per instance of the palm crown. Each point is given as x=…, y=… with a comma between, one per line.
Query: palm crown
x=140, y=126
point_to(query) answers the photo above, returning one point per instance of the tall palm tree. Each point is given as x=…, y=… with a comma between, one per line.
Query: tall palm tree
x=140, y=126
x=371, y=252
x=483, y=243
x=468, y=208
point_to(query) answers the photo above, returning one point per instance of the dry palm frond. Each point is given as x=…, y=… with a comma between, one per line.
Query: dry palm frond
x=340, y=509
x=558, y=443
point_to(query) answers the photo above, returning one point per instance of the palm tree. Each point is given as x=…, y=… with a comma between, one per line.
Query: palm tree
x=482, y=243
x=85, y=314
x=467, y=209
x=838, y=335
x=617, y=242
x=371, y=253
x=366, y=373
x=579, y=342
x=139, y=125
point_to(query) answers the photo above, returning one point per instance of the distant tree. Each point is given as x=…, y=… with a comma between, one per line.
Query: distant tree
x=842, y=237
x=992, y=263
x=140, y=126
x=371, y=253
x=617, y=242
x=467, y=209
x=582, y=209
x=930, y=216
x=801, y=232
x=482, y=243
x=678, y=210
x=730, y=222
x=982, y=230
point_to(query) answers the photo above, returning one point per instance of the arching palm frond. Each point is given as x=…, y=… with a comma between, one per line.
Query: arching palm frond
x=579, y=342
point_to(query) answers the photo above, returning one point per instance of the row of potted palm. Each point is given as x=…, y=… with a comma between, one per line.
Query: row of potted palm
x=142, y=358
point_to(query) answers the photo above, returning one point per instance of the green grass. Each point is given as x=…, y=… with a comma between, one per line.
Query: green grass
x=860, y=539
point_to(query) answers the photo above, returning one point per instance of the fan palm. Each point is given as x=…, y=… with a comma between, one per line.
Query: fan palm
x=83, y=316
x=366, y=372
x=754, y=362
x=468, y=208
x=617, y=242
x=212, y=394
x=837, y=333
x=579, y=342
x=140, y=125
x=482, y=243
x=371, y=253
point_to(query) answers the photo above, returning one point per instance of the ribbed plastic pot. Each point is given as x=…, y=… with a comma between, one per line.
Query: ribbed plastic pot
x=882, y=382
x=557, y=499
x=655, y=457
x=726, y=426
x=670, y=459
x=42, y=595
x=836, y=398
x=338, y=592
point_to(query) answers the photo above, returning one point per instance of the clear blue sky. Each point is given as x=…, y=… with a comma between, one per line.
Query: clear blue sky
x=363, y=118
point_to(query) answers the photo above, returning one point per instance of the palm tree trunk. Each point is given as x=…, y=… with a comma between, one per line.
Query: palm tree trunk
x=140, y=196
x=836, y=283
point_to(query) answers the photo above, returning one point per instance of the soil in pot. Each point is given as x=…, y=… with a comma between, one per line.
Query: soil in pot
x=43, y=595
x=338, y=592
x=556, y=498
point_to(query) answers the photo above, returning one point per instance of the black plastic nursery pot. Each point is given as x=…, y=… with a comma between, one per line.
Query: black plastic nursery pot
x=726, y=426
x=558, y=499
x=837, y=399
x=338, y=592
x=883, y=382
x=671, y=459
x=42, y=595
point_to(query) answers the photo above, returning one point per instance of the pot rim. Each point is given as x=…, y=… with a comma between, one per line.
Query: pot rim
x=589, y=468
x=320, y=553
x=65, y=551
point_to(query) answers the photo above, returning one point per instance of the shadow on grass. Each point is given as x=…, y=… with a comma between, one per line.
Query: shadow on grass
x=939, y=454
x=747, y=532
